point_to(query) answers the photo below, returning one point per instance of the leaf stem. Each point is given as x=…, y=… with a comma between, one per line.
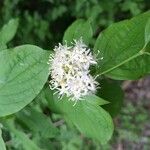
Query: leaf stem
x=147, y=53
x=129, y=59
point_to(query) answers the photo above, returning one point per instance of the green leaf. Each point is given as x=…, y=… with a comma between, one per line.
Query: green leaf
x=89, y=118
x=23, y=73
x=133, y=70
x=7, y=32
x=26, y=142
x=47, y=95
x=92, y=99
x=2, y=144
x=147, y=32
x=112, y=92
x=93, y=121
x=38, y=123
x=79, y=28
x=148, y=47
x=122, y=46
x=95, y=100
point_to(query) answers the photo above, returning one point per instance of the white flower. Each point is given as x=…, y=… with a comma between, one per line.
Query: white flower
x=70, y=70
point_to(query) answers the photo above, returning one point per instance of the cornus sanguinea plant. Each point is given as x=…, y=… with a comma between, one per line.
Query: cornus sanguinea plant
x=70, y=72
x=125, y=47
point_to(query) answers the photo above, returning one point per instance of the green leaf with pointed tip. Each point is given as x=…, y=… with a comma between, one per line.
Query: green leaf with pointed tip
x=2, y=144
x=122, y=46
x=79, y=28
x=23, y=73
x=89, y=118
x=92, y=99
x=95, y=100
x=7, y=32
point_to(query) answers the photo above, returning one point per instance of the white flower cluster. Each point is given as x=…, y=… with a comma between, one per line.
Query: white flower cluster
x=70, y=70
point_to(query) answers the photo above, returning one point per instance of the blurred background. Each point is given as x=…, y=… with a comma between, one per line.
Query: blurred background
x=43, y=22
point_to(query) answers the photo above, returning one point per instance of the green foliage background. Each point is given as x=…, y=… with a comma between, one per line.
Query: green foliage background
x=42, y=23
